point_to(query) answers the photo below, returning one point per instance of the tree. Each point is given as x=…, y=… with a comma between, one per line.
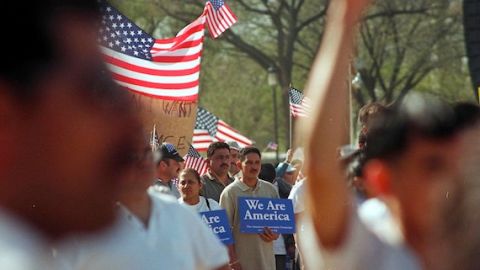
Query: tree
x=404, y=45
x=399, y=50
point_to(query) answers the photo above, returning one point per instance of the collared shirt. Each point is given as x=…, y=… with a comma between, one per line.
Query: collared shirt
x=166, y=187
x=212, y=187
x=251, y=250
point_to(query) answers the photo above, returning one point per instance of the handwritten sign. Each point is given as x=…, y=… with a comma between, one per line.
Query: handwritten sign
x=218, y=222
x=173, y=120
x=258, y=213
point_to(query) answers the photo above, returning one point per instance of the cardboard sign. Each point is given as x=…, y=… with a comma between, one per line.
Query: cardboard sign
x=174, y=120
x=258, y=213
x=218, y=222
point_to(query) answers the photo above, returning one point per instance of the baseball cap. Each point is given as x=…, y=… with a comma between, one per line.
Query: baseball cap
x=168, y=151
x=234, y=145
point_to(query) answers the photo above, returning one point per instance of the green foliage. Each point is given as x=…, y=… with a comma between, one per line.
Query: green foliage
x=404, y=45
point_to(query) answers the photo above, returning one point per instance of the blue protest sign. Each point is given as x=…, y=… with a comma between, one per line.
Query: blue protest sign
x=218, y=222
x=258, y=213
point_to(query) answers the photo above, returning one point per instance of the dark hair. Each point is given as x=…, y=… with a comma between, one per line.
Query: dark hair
x=467, y=114
x=248, y=150
x=369, y=112
x=354, y=167
x=267, y=172
x=215, y=146
x=34, y=25
x=417, y=116
x=192, y=171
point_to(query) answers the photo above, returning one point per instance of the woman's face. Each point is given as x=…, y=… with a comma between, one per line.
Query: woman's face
x=189, y=186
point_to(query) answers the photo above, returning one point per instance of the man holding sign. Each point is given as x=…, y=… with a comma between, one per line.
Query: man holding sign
x=253, y=250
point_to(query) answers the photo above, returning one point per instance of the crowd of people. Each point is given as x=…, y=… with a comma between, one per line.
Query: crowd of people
x=82, y=187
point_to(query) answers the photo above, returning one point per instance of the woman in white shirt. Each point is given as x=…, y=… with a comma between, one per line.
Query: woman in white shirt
x=190, y=186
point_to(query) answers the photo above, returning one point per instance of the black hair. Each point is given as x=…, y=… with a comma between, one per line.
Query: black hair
x=467, y=114
x=417, y=116
x=31, y=47
x=267, y=172
x=215, y=146
x=192, y=171
x=248, y=150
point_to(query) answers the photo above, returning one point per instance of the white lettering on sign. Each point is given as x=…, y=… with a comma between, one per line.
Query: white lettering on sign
x=211, y=222
x=276, y=206
x=255, y=204
x=266, y=216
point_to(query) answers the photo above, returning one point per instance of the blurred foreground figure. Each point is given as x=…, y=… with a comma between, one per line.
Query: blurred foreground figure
x=64, y=130
x=413, y=156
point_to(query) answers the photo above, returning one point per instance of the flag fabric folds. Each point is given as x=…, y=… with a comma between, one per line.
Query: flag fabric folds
x=217, y=130
x=219, y=17
x=162, y=68
x=195, y=161
x=299, y=105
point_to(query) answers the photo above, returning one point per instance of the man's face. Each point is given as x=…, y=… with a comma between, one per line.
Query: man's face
x=171, y=168
x=233, y=161
x=71, y=145
x=290, y=177
x=251, y=165
x=422, y=178
x=220, y=161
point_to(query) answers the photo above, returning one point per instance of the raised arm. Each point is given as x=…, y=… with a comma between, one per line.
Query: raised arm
x=328, y=200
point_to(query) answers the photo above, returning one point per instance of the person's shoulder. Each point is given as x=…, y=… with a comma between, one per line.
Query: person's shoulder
x=298, y=187
x=232, y=186
x=267, y=185
x=206, y=177
x=214, y=205
x=163, y=199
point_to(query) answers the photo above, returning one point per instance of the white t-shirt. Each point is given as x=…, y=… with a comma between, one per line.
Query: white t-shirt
x=297, y=196
x=362, y=250
x=375, y=214
x=21, y=247
x=201, y=206
x=175, y=239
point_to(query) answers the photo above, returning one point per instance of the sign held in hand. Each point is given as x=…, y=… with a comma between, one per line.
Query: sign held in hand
x=218, y=222
x=258, y=213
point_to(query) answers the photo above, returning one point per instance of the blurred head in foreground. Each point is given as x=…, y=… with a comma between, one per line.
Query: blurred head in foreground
x=65, y=127
x=413, y=162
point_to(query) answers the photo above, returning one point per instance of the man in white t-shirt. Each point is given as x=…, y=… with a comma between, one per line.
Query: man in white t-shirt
x=64, y=129
x=413, y=158
x=167, y=235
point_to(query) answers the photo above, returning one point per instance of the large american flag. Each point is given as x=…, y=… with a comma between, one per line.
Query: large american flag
x=299, y=105
x=195, y=161
x=162, y=68
x=210, y=128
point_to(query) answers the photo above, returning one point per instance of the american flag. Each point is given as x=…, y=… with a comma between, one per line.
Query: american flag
x=195, y=161
x=210, y=128
x=219, y=17
x=272, y=145
x=299, y=105
x=162, y=68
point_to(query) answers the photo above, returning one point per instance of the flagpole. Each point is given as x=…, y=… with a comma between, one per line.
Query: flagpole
x=291, y=130
x=290, y=127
